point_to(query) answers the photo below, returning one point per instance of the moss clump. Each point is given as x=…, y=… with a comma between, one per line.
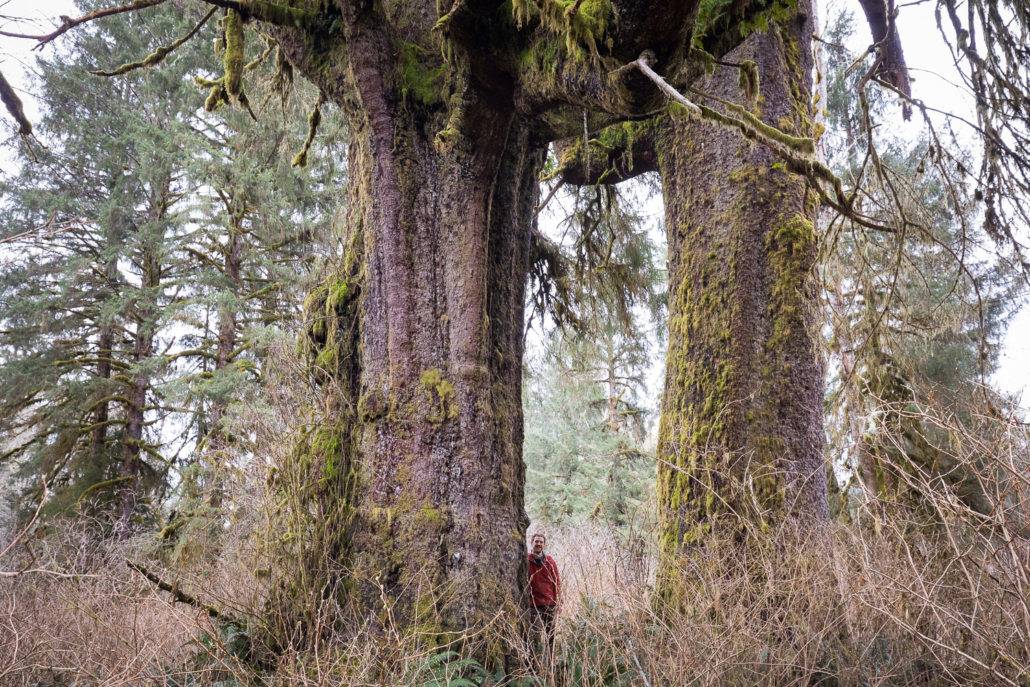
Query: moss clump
x=435, y=384
x=748, y=82
x=421, y=78
x=583, y=23
x=790, y=247
x=232, y=60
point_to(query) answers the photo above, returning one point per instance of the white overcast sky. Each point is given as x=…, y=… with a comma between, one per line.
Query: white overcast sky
x=929, y=62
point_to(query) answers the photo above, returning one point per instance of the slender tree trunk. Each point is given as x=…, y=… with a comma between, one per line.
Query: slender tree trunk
x=227, y=327
x=98, y=438
x=740, y=441
x=139, y=378
x=867, y=470
x=613, y=396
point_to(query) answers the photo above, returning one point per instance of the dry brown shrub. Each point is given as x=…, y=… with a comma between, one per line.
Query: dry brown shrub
x=917, y=592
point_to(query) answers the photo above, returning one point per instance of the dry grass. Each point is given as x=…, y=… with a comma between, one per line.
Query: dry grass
x=919, y=593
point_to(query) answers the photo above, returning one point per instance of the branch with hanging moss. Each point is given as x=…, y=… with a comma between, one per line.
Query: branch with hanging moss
x=158, y=56
x=268, y=12
x=314, y=119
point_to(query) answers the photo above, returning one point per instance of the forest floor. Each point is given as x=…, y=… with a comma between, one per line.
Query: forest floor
x=837, y=605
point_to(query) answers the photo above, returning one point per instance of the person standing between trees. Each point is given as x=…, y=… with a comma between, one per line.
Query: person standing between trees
x=545, y=586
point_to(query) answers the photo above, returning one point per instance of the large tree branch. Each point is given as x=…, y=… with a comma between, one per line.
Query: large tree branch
x=615, y=154
x=69, y=23
x=885, y=34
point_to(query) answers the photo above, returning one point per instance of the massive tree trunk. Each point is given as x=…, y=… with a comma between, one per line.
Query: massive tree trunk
x=410, y=490
x=740, y=442
x=418, y=344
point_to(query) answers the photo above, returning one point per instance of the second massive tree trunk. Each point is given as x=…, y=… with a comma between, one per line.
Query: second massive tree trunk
x=740, y=442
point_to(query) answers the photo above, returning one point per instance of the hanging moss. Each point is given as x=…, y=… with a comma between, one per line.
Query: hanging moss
x=748, y=82
x=421, y=81
x=233, y=59
x=314, y=119
x=582, y=23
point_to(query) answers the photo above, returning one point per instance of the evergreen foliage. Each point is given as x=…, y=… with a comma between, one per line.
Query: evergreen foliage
x=145, y=249
x=585, y=396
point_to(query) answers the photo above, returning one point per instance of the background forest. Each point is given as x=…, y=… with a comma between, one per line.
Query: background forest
x=190, y=233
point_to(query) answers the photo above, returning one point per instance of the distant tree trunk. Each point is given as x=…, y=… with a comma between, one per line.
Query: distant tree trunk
x=227, y=325
x=613, y=395
x=418, y=342
x=138, y=385
x=740, y=441
x=102, y=414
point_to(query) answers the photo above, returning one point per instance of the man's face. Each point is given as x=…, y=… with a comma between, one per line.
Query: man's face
x=538, y=545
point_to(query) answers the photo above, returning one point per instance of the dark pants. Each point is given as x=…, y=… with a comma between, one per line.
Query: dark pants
x=542, y=618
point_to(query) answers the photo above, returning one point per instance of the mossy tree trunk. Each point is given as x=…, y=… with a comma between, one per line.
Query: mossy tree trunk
x=415, y=477
x=740, y=442
x=417, y=472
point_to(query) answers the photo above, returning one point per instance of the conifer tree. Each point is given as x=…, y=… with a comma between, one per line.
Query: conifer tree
x=150, y=243
x=586, y=419
x=95, y=268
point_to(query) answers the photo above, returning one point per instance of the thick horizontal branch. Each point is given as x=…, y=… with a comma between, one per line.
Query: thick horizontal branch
x=13, y=104
x=615, y=154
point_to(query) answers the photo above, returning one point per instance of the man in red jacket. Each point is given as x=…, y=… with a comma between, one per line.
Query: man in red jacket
x=545, y=585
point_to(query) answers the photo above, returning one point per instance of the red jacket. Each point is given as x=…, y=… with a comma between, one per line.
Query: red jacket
x=544, y=581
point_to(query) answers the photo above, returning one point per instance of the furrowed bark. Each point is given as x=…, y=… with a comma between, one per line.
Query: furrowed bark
x=740, y=442
x=417, y=469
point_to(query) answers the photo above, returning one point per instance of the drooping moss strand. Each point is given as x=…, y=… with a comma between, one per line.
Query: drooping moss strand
x=748, y=82
x=314, y=119
x=232, y=61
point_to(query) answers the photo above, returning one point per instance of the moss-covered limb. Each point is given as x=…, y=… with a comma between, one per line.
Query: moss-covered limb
x=257, y=61
x=616, y=153
x=183, y=597
x=159, y=55
x=100, y=486
x=314, y=119
x=14, y=107
x=269, y=12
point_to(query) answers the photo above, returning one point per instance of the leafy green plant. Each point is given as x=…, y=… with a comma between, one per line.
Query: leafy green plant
x=449, y=669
